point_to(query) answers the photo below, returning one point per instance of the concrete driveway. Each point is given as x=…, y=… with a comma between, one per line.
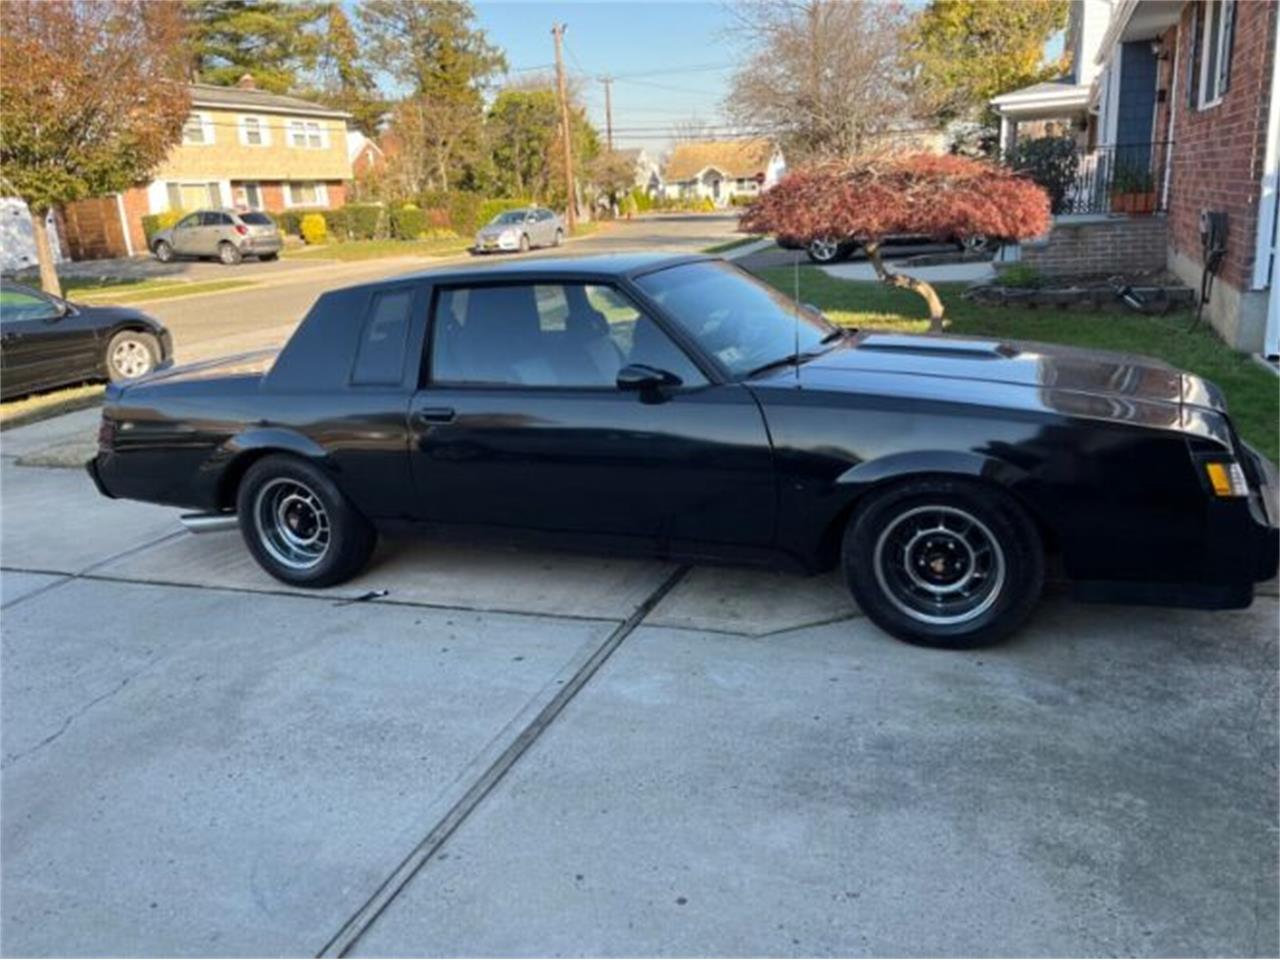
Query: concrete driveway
x=521, y=753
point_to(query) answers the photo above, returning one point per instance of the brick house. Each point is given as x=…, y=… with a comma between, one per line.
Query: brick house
x=241, y=147
x=1182, y=119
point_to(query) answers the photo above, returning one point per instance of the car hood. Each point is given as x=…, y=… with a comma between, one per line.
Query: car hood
x=497, y=231
x=1093, y=383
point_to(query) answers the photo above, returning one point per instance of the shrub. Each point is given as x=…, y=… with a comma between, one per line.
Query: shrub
x=335, y=223
x=1051, y=162
x=364, y=220
x=437, y=218
x=707, y=205
x=464, y=211
x=642, y=199
x=439, y=233
x=313, y=229
x=153, y=223
x=1019, y=275
x=407, y=222
x=289, y=222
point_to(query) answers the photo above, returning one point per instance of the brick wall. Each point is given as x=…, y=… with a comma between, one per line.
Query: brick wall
x=1218, y=151
x=1100, y=247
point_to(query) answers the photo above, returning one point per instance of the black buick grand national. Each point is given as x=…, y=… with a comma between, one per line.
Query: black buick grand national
x=673, y=405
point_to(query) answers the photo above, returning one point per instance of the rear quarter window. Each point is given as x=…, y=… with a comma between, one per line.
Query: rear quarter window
x=381, y=353
x=257, y=219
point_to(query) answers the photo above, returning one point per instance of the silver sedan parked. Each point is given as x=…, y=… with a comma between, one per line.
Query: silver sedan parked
x=229, y=235
x=520, y=230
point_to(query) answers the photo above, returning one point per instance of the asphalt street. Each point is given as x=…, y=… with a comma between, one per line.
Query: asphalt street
x=515, y=753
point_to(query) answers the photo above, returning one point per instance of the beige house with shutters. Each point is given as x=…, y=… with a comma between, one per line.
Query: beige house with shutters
x=241, y=147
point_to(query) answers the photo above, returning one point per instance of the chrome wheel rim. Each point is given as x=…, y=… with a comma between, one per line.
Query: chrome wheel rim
x=292, y=524
x=228, y=253
x=131, y=358
x=824, y=248
x=939, y=565
x=164, y=253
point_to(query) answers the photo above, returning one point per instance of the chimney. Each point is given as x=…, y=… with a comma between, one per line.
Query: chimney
x=246, y=82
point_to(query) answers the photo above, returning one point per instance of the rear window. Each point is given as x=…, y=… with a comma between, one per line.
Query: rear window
x=257, y=219
x=380, y=357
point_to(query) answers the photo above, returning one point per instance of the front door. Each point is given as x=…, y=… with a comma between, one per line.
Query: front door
x=521, y=424
x=186, y=235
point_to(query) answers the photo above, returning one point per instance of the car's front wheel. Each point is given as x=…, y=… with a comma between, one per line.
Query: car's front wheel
x=131, y=354
x=944, y=563
x=229, y=253
x=559, y=237
x=164, y=251
x=299, y=526
x=826, y=250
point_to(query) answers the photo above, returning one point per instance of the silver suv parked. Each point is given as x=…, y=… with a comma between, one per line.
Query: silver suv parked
x=228, y=235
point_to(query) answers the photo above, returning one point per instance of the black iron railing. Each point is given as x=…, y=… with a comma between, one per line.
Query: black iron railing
x=1118, y=178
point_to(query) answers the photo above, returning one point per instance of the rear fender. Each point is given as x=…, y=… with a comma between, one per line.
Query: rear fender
x=240, y=452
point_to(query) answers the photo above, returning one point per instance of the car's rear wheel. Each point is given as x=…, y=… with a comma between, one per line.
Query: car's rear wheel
x=299, y=526
x=944, y=563
x=524, y=243
x=164, y=251
x=827, y=250
x=229, y=253
x=131, y=354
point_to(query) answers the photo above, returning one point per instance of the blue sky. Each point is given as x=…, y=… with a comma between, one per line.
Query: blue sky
x=680, y=48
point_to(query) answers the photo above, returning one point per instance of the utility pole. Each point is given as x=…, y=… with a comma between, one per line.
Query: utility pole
x=571, y=208
x=608, y=110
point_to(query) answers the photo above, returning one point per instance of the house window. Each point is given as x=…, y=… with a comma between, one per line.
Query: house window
x=198, y=130
x=308, y=134
x=254, y=132
x=250, y=196
x=1216, y=30
x=306, y=193
x=193, y=196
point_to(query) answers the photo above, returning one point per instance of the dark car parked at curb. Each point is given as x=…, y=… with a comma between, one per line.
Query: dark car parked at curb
x=48, y=342
x=226, y=235
x=828, y=250
x=673, y=405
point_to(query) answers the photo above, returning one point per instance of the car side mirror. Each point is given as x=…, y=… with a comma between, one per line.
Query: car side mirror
x=641, y=376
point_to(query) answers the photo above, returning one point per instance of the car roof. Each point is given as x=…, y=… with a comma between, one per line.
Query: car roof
x=605, y=265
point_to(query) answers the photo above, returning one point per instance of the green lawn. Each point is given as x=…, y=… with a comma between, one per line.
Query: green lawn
x=374, y=249
x=1253, y=394
x=729, y=245
x=111, y=291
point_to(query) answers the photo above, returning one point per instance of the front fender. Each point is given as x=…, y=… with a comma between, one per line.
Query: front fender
x=900, y=466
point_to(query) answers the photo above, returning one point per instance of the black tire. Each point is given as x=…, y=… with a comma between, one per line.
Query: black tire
x=163, y=251
x=826, y=251
x=909, y=545
x=274, y=505
x=131, y=354
x=524, y=243
x=268, y=257
x=229, y=253
x=559, y=238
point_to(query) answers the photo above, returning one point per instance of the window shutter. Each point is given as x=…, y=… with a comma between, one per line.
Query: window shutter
x=1228, y=14
x=1193, y=61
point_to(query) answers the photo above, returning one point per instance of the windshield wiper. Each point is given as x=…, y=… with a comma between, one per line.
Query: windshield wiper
x=790, y=360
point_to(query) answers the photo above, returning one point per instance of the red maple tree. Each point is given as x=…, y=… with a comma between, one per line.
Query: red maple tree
x=869, y=198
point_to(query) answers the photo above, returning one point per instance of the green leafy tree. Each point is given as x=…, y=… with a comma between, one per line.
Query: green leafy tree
x=92, y=96
x=964, y=52
x=343, y=78
x=275, y=42
x=435, y=50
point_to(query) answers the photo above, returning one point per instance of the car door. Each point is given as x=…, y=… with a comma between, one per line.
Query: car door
x=41, y=344
x=211, y=233
x=186, y=236
x=546, y=233
x=520, y=423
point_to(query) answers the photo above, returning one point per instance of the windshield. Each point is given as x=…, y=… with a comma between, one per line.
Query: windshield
x=511, y=216
x=734, y=317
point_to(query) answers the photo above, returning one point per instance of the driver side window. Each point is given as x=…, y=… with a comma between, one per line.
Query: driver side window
x=546, y=335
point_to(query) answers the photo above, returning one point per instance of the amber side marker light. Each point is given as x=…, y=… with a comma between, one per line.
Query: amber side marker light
x=1227, y=479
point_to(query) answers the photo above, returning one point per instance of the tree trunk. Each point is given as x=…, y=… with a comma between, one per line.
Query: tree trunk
x=926, y=291
x=44, y=253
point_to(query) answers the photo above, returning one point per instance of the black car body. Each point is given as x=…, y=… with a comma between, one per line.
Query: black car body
x=48, y=342
x=1099, y=459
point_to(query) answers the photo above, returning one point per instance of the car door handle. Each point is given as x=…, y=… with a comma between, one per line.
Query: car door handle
x=433, y=415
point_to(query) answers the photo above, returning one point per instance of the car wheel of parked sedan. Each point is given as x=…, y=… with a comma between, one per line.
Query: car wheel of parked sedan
x=944, y=563
x=559, y=237
x=299, y=526
x=164, y=251
x=826, y=250
x=229, y=254
x=131, y=354
x=524, y=243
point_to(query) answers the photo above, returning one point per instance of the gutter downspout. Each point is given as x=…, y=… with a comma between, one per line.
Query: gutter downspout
x=1173, y=116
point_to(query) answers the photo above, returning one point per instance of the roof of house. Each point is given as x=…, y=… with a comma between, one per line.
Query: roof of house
x=734, y=158
x=212, y=95
x=357, y=143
